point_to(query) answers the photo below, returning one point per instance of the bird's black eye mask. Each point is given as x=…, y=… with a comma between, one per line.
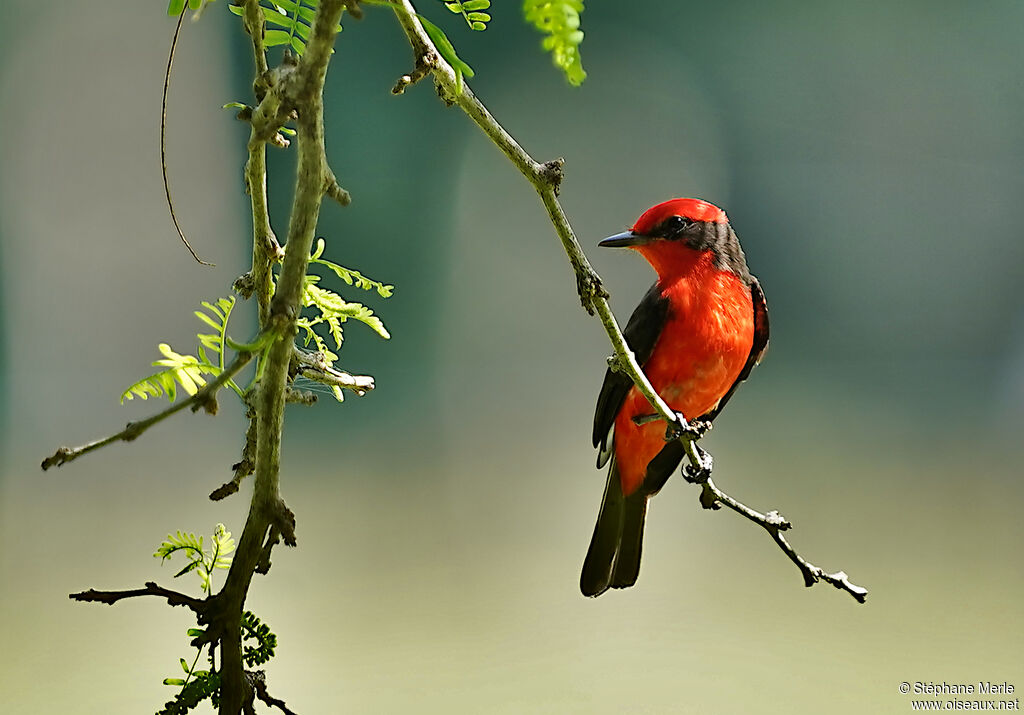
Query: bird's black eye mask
x=675, y=227
x=707, y=236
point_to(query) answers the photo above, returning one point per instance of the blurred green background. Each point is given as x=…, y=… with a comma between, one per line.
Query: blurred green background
x=869, y=155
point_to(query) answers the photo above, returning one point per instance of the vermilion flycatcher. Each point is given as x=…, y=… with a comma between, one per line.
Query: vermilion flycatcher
x=697, y=334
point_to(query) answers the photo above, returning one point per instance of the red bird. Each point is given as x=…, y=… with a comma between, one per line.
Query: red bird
x=697, y=333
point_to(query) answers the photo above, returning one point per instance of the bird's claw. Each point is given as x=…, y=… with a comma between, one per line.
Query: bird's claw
x=702, y=473
x=694, y=430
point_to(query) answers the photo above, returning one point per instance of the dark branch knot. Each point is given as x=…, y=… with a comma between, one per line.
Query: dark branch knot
x=589, y=288
x=699, y=472
x=245, y=285
x=552, y=173
x=62, y=455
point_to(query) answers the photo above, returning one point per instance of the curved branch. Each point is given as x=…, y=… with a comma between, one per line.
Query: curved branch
x=163, y=141
x=775, y=524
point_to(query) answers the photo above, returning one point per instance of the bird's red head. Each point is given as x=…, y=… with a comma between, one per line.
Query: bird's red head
x=693, y=209
x=673, y=236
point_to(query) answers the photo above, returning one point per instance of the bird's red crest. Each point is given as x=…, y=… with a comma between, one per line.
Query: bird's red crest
x=695, y=209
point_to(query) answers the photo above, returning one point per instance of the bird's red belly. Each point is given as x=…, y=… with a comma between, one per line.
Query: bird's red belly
x=702, y=349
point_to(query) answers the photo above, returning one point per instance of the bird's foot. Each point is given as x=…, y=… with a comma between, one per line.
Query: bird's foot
x=682, y=428
x=700, y=473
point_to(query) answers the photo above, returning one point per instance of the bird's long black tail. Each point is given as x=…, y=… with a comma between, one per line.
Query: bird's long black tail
x=613, y=560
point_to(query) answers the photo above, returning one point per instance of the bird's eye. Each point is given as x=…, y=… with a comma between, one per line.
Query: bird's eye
x=675, y=225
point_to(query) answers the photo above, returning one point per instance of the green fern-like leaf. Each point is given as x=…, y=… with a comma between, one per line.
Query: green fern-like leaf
x=205, y=684
x=216, y=342
x=326, y=310
x=223, y=545
x=294, y=18
x=335, y=310
x=189, y=371
x=179, y=541
x=306, y=325
x=471, y=11
x=199, y=560
x=559, y=21
x=184, y=370
x=348, y=275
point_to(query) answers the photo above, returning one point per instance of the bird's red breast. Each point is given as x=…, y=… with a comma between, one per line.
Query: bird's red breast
x=701, y=351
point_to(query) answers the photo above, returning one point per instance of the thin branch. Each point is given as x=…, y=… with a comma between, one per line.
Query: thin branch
x=774, y=523
x=174, y=598
x=254, y=23
x=163, y=141
x=546, y=179
x=265, y=249
x=200, y=400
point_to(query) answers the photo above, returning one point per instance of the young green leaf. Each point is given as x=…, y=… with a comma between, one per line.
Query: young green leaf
x=273, y=38
x=348, y=275
x=467, y=10
x=447, y=50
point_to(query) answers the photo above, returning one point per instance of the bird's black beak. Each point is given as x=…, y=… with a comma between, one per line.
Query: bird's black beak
x=625, y=240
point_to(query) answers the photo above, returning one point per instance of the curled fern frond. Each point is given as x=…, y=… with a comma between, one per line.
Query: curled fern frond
x=266, y=640
x=559, y=20
x=293, y=18
x=471, y=11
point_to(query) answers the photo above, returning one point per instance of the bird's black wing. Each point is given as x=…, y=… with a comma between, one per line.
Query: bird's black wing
x=756, y=350
x=641, y=333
